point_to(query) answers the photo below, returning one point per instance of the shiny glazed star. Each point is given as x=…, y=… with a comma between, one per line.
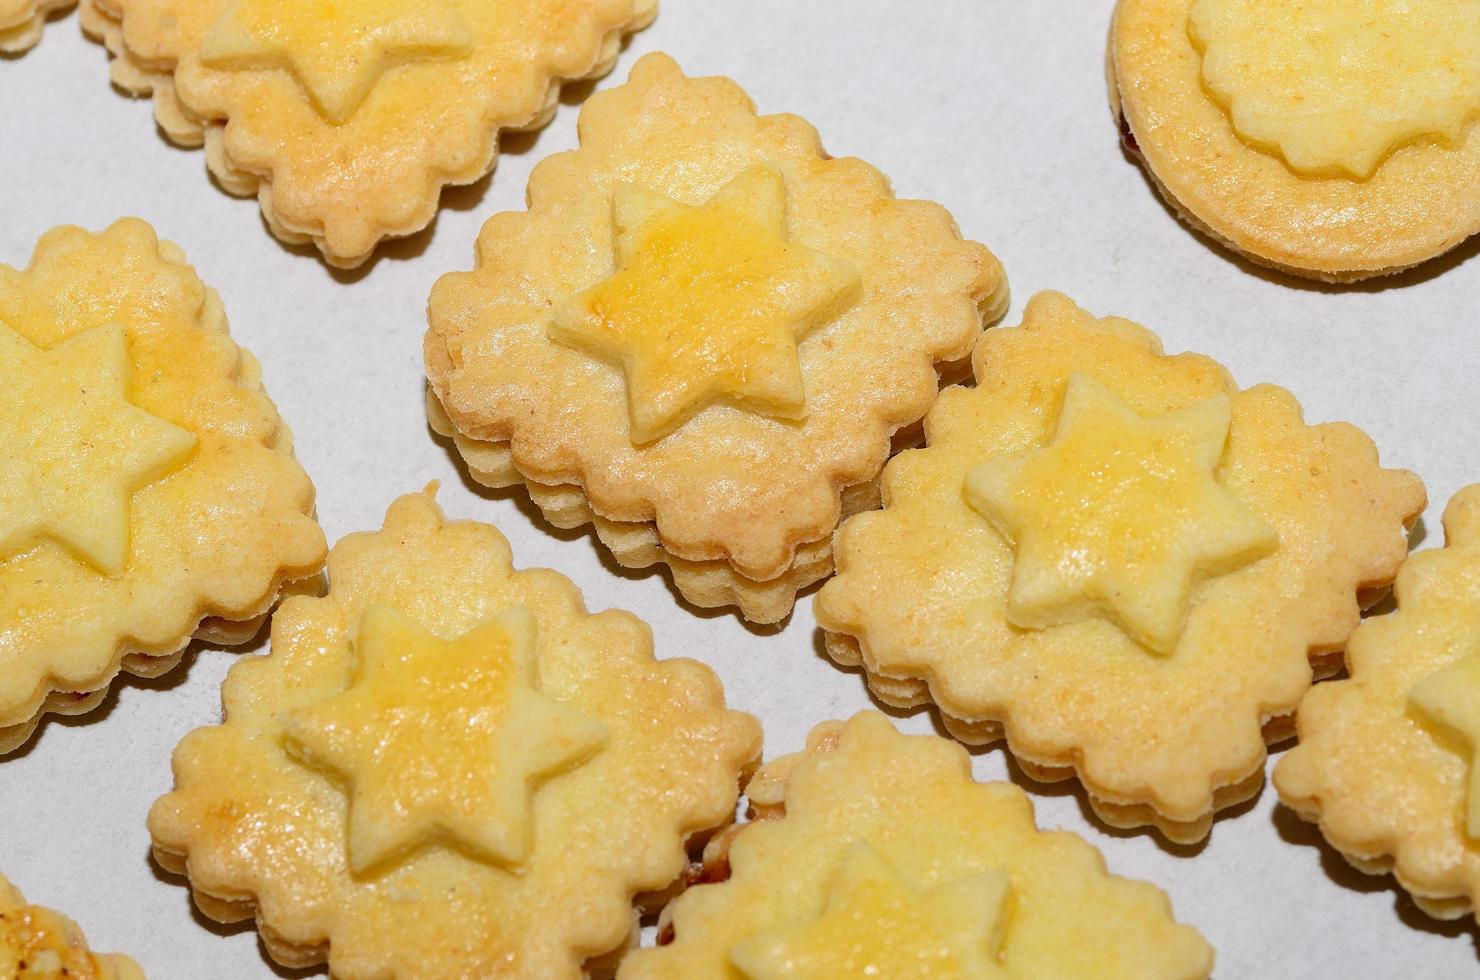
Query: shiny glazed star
x=1119, y=516
x=708, y=303
x=442, y=741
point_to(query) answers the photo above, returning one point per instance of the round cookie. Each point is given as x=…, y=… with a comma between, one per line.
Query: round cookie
x=1332, y=140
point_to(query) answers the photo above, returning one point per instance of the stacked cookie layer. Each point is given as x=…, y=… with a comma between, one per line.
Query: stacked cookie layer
x=704, y=337
x=149, y=494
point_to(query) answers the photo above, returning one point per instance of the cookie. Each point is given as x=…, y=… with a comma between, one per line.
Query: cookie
x=37, y=943
x=875, y=854
x=1386, y=760
x=703, y=337
x=21, y=22
x=148, y=490
x=1331, y=139
x=1119, y=562
x=347, y=120
x=448, y=768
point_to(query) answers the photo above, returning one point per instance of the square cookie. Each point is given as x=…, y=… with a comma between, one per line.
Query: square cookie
x=1118, y=561
x=448, y=768
x=704, y=337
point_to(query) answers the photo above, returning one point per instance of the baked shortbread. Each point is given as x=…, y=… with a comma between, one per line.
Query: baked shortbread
x=446, y=768
x=347, y=119
x=1332, y=139
x=21, y=22
x=37, y=943
x=875, y=854
x=1386, y=762
x=1120, y=562
x=702, y=337
x=148, y=490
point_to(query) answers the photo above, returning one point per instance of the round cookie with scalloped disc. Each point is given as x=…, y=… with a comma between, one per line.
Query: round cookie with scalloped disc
x=1330, y=139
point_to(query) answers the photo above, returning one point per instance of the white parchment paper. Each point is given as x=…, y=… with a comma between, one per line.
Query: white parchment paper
x=996, y=108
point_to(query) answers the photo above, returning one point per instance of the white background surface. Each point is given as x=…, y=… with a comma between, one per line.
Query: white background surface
x=996, y=108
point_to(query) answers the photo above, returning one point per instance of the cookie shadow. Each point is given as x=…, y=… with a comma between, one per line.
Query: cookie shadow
x=1418, y=533
x=168, y=681
x=226, y=930
x=460, y=197
x=1293, y=830
x=517, y=495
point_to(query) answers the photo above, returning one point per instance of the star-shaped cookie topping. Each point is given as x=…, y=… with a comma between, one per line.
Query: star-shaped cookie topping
x=708, y=303
x=876, y=924
x=73, y=449
x=337, y=49
x=1451, y=697
x=1121, y=515
x=442, y=740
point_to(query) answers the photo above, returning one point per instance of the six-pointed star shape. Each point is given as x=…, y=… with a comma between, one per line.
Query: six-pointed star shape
x=875, y=924
x=337, y=49
x=1119, y=515
x=707, y=303
x=73, y=449
x=440, y=741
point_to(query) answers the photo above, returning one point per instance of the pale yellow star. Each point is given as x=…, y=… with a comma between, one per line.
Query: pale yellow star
x=337, y=49
x=442, y=741
x=73, y=449
x=708, y=303
x=1119, y=516
x=1451, y=697
x=876, y=925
